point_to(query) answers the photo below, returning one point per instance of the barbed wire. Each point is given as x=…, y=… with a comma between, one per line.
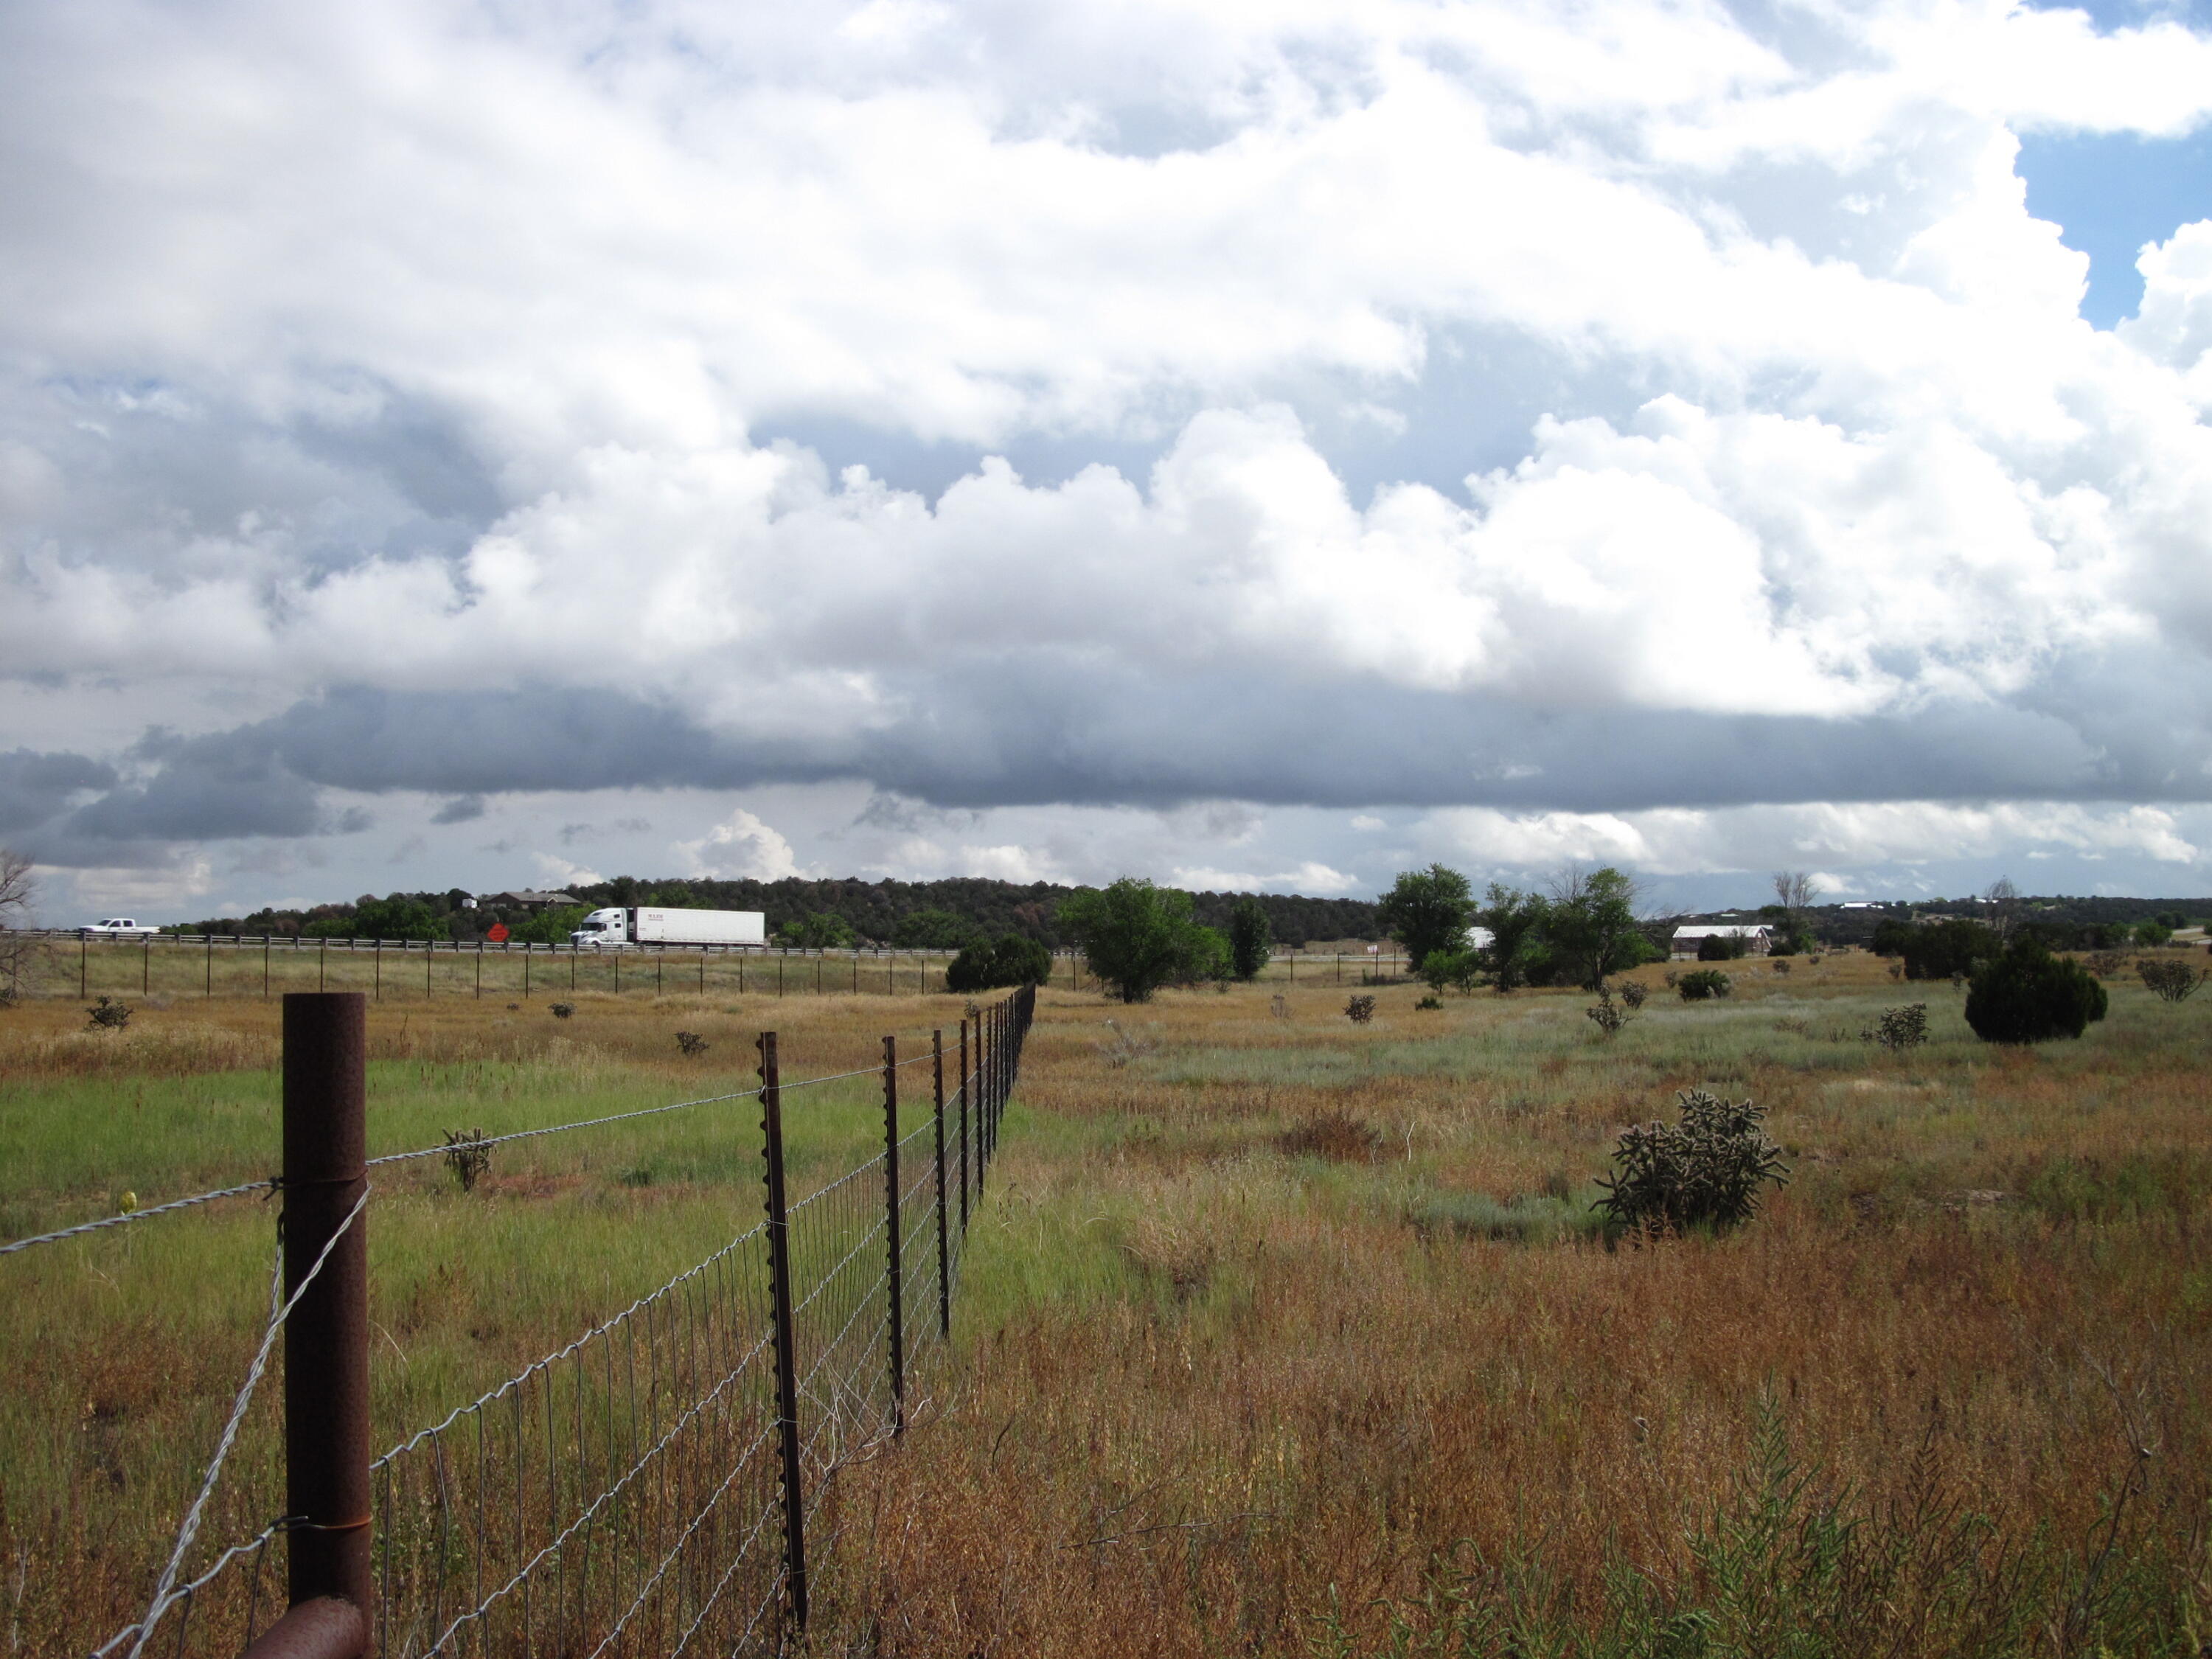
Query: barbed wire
x=273, y=1183
x=128, y=1216
x=280, y=1311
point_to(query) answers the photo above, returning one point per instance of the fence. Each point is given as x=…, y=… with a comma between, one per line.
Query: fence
x=652, y=1486
x=251, y=965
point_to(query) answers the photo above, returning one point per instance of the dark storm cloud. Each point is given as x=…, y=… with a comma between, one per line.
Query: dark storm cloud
x=35, y=787
x=214, y=788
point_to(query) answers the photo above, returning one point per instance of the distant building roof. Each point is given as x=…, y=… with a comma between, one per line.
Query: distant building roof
x=1725, y=929
x=527, y=896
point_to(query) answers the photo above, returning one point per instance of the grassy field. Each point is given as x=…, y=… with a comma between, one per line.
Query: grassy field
x=1285, y=1340
x=1279, y=1335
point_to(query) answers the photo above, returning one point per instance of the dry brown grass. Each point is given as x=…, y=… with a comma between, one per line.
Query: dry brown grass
x=1985, y=1294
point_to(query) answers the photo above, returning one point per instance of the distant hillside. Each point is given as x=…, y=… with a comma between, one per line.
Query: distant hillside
x=873, y=909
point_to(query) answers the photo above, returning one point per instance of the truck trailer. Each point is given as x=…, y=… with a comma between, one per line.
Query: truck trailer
x=647, y=925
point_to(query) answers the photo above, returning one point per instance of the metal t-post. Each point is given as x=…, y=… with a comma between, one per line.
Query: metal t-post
x=786, y=1374
x=891, y=1201
x=944, y=1241
x=965, y=1092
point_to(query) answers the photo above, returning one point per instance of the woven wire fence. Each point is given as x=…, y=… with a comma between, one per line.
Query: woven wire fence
x=625, y=1494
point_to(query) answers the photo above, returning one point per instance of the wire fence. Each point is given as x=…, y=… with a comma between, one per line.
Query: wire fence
x=242, y=965
x=644, y=1489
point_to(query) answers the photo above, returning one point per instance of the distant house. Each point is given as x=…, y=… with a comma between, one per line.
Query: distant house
x=530, y=899
x=1479, y=939
x=1758, y=938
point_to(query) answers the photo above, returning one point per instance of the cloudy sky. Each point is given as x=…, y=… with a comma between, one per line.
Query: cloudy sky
x=1243, y=444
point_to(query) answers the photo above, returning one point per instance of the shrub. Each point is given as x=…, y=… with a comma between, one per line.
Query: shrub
x=1013, y=960
x=563, y=1010
x=690, y=1043
x=1633, y=995
x=1359, y=1009
x=1704, y=983
x=2028, y=995
x=1905, y=1027
x=1427, y=1003
x=2173, y=979
x=1705, y=1170
x=1337, y=1135
x=1720, y=947
x=108, y=1015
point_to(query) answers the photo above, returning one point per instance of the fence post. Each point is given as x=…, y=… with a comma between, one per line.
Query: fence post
x=326, y=1445
x=944, y=1244
x=786, y=1372
x=208, y=989
x=380, y=968
x=146, y=969
x=83, y=951
x=965, y=1092
x=891, y=1191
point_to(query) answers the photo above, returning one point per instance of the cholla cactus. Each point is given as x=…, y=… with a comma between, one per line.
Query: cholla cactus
x=1899, y=1027
x=1359, y=1009
x=1708, y=1169
x=1608, y=1016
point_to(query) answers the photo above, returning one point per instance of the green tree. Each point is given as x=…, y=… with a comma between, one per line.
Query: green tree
x=2152, y=932
x=934, y=930
x=2028, y=995
x=1592, y=924
x=1137, y=937
x=1251, y=941
x=984, y=966
x=817, y=930
x=1461, y=970
x=550, y=926
x=1942, y=949
x=1427, y=910
x=400, y=916
x=1515, y=920
x=1207, y=956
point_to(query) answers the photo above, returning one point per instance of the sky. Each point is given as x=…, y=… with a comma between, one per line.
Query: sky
x=1249, y=446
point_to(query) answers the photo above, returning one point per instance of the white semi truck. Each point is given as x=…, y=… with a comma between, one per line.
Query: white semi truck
x=644, y=925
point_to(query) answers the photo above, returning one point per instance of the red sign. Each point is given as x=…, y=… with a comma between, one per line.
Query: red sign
x=498, y=933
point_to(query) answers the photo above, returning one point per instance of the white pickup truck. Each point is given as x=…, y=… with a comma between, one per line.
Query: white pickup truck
x=116, y=928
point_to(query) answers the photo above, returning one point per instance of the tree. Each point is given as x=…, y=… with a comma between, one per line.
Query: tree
x=1593, y=924
x=1721, y=947
x=18, y=887
x=2002, y=900
x=550, y=926
x=1250, y=939
x=1944, y=950
x=931, y=929
x=1137, y=937
x=817, y=930
x=2152, y=932
x=2028, y=995
x=1460, y=968
x=1013, y=960
x=1427, y=910
x=400, y=916
x=1516, y=923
